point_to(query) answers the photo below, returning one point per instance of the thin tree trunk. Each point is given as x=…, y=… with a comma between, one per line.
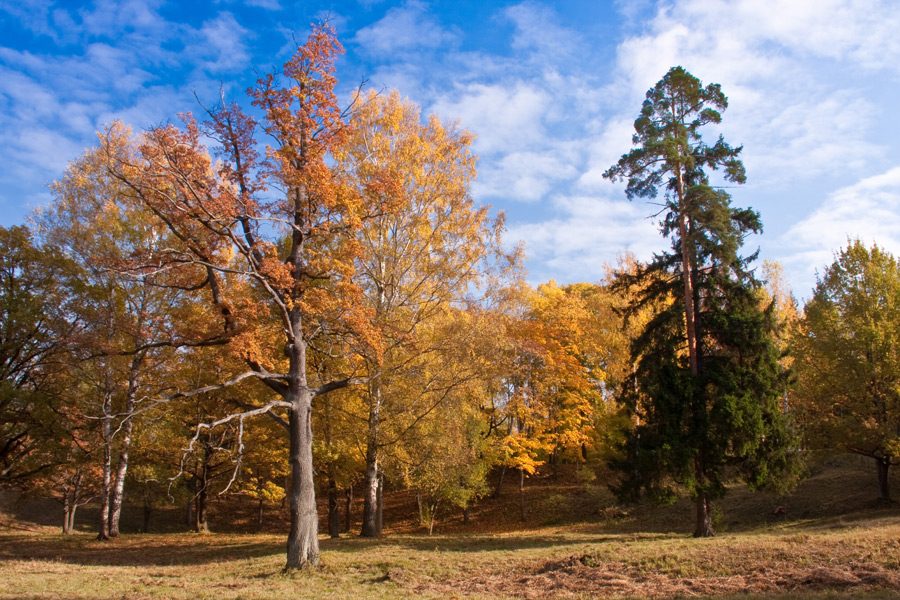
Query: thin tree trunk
x=466, y=510
x=704, y=517
x=201, y=525
x=686, y=272
x=379, y=521
x=148, y=511
x=67, y=509
x=118, y=489
x=370, y=490
x=334, y=515
x=106, y=467
x=434, y=506
x=71, y=523
x=189, y=510
x=500, y=482
x=348, y=493
x=884, y=489
x=259, y=515
x=522, y=494
x=420, y=507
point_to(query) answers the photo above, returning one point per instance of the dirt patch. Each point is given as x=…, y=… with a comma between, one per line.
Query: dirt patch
x=578, y=576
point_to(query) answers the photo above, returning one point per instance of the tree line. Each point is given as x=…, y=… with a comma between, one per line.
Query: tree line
x=297, y=298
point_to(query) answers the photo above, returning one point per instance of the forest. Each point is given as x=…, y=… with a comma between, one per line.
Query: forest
x=299, y=304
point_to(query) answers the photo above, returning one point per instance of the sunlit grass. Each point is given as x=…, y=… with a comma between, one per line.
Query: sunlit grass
x=827, y=540
x=859, y=560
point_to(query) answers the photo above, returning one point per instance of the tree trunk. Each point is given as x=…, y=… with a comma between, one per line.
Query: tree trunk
x=67, y=510
x=148, y=511
x=522, y=494
x=500, y=482
x=259, y=515
x=434, y=506
x=704, y=518
x=347, y=515
x=118, y=489
x=884, y=490
x=334, y=516
x=687, y=274
x=466, y=511
x=71, y=523
x=103, y=533
x=303, y=539
x=201, y=523
x=379, y=520
x=370, y=490
x=189, y=509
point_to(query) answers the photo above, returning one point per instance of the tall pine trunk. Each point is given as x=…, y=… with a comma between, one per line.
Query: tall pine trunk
x=704, y=517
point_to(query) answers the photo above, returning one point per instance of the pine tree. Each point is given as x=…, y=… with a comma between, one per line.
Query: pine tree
x=705, y=392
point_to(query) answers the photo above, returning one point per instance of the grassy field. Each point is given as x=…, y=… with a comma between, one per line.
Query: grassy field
x=827, y=540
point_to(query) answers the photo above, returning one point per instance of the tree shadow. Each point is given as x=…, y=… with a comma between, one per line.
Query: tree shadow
x=137, y=550
x=463, y=543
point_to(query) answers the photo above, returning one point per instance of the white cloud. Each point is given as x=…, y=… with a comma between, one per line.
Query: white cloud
x=403, y=28
x=504, y=118
x=537, y=30
x=588, y=232
x=219, y=45
x=525, y=176
x=868, y=210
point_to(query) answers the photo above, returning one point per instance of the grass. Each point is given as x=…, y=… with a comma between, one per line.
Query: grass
x=828, y=540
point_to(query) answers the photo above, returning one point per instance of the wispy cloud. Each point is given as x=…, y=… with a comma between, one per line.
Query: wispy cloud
x=868, y=210
x=402, y=29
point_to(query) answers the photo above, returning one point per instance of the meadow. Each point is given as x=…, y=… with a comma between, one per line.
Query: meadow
x=828, y=539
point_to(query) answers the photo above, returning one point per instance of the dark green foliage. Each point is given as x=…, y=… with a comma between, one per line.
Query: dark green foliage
x=695, y=426
x=32, y=328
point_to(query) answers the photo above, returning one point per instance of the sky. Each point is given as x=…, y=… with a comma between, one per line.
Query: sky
x=551, y=89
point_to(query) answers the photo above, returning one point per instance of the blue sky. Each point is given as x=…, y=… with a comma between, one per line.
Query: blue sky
x=550, y=88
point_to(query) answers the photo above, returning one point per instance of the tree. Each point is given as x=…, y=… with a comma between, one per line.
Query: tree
x=129, y=321
x=33, y=327
x=706, y=385
x=848, y=358
x=268, y=243
x=423, y=253
x=671, y=147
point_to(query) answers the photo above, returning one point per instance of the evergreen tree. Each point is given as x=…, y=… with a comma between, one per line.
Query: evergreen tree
x=704, y=397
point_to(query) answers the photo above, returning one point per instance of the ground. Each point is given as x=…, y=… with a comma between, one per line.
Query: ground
x=829, y=539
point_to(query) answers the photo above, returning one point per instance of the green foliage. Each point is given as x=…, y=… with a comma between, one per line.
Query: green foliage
x=32, y=332
x=848, y=355
x=706, y=397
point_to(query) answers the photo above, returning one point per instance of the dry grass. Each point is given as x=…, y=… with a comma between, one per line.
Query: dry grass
x=851, y=561
x=828, y=540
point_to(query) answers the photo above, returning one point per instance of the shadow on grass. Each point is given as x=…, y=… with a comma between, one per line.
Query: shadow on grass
x=138, y=550
x=463, y=543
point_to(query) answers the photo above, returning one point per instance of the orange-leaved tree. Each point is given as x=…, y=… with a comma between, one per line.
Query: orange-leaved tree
x=269, y=242
x=426, y=251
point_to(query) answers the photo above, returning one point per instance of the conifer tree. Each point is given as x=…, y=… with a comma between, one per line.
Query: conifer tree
x=704, y=396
